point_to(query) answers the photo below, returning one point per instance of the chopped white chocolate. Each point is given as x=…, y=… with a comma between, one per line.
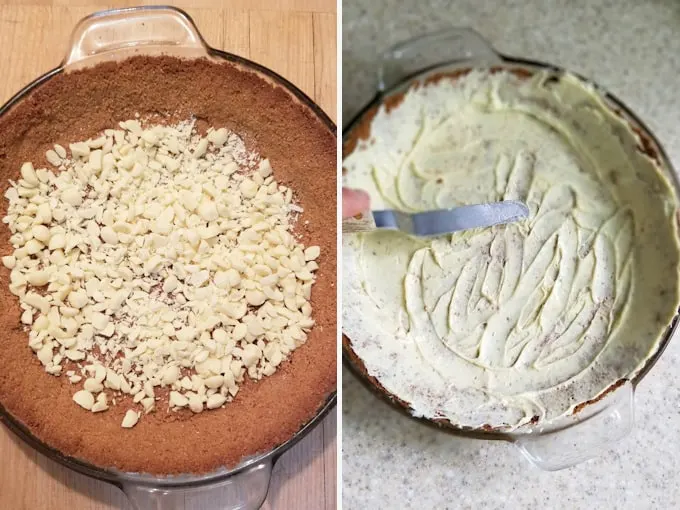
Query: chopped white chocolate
x=100, y=404
x=156, y=258
x=79, y=150
x=53, y=158
x=27, y=317
x=84, y=399
x=148, y=403
x=215, y=400
x=195, y=403
x=61, y=152
x=28, y=175
x=264, y=168
x=218, y=137
x=312, y=253
x=130, y=419
x=177, y=399
x=93, y=386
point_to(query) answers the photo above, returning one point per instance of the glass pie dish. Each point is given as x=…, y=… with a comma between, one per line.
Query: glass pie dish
x=593, y=425
x=111, y=36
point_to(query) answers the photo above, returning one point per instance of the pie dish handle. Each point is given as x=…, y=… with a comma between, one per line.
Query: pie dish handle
x=425, y=52
x=119, y=33
x=245, y=490
x=583, y=436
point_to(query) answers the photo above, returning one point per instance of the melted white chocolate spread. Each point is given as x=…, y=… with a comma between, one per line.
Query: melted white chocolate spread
x=498, y=326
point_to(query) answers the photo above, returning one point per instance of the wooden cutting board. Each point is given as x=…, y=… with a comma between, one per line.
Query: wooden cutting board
x=297, y=39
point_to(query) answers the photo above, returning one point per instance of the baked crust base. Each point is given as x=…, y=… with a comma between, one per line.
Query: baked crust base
x=302, y=150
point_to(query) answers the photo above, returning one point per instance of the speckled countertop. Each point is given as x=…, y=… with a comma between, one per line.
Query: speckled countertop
x=631, y=48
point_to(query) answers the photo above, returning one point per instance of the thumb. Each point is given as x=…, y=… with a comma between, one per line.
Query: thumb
x=354, y=201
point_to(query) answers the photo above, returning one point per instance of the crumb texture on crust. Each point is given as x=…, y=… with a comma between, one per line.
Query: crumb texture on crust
x=79, y=105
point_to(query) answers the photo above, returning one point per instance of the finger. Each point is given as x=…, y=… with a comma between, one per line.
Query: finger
x=354, y=201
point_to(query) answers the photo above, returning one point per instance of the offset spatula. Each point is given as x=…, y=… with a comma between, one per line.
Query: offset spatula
x=438, y=222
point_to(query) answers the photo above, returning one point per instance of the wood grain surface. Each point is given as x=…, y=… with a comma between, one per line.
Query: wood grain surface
x=296, y=38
